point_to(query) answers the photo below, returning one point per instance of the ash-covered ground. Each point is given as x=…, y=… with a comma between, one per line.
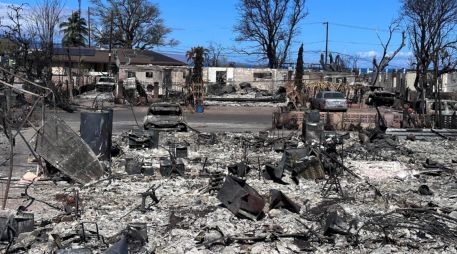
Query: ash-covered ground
x=395, y=201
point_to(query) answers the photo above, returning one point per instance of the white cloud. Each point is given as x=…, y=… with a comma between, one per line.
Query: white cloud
x=403, y=54
x=372, y=53
x=402, y=59
x=368, y=54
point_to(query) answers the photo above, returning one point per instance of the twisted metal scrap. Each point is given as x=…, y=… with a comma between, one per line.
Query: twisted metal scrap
x=420, y=219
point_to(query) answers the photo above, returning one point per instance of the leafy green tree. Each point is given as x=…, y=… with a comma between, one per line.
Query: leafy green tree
x=299, y=70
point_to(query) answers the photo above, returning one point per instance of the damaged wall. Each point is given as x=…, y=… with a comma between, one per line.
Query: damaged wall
x=260, y=78
x=173, y=77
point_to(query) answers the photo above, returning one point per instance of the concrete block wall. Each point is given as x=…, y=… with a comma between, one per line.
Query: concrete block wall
x=239, y=75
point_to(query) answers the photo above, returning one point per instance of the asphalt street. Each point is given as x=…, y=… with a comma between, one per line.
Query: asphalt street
x=214, y=119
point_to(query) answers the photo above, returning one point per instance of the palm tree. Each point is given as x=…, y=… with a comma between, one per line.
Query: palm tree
x=74, y=35
x=197, y=55
x=74, y=31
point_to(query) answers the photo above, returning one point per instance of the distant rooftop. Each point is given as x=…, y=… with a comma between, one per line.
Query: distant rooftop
x=125, y=56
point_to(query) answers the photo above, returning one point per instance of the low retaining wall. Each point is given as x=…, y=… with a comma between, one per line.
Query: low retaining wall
x=346, y=120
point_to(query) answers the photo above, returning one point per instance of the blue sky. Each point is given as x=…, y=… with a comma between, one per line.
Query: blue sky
x=353, y=28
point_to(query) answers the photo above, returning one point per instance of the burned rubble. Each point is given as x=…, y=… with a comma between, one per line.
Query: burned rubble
x=236, y=192
x=118, y=136
x=273, y=191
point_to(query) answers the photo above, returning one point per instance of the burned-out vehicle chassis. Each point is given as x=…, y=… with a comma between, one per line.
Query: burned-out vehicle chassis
x=165, y=116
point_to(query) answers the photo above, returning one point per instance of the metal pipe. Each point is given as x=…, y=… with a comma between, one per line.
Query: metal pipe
x=30, y=148
x=32, y=83
x=19, y=89
x=10, y=173
x=26, y=80
x=27, y=117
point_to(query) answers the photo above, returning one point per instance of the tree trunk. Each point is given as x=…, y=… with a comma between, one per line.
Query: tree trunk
x=70, y=87
x=272, y=60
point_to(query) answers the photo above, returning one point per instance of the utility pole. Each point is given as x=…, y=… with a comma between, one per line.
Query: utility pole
x=8, y=129
x=326, y=41
x=88, y=23
x=110, y=42
x=79, y=47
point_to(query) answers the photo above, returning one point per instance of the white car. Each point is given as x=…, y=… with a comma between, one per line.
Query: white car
x=105, y=84
x=329, y=101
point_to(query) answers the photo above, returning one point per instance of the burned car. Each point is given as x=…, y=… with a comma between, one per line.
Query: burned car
x=448, y=107
x=165, y=116
x=381, y=98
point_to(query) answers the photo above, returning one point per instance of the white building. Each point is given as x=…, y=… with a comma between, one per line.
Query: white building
x=268, y=79
x=449, y=82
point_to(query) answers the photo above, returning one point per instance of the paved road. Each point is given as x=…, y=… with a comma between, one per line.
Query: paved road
x=214, y=119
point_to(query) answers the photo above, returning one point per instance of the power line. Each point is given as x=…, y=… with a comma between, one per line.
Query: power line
x=360, y=43
x=362, y=27
x=359, y=27
x=313, y=23
x=375, y=29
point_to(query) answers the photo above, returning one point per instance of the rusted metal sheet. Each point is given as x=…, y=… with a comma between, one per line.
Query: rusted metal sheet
x=59, y=145
x=274, y=173
x=240, y=198
x=280, y=200
x=239, y=169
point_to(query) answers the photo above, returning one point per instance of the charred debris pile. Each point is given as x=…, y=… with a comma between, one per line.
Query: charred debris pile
x=267, y=192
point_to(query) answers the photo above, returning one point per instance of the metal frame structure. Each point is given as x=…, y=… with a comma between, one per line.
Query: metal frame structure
x=8, y=125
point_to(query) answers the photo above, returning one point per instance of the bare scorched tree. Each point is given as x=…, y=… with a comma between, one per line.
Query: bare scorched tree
x=16, y=30
x=430, y=26
x=386, y=57
x=271, y=25
x=45, y=18
x=214, y=52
